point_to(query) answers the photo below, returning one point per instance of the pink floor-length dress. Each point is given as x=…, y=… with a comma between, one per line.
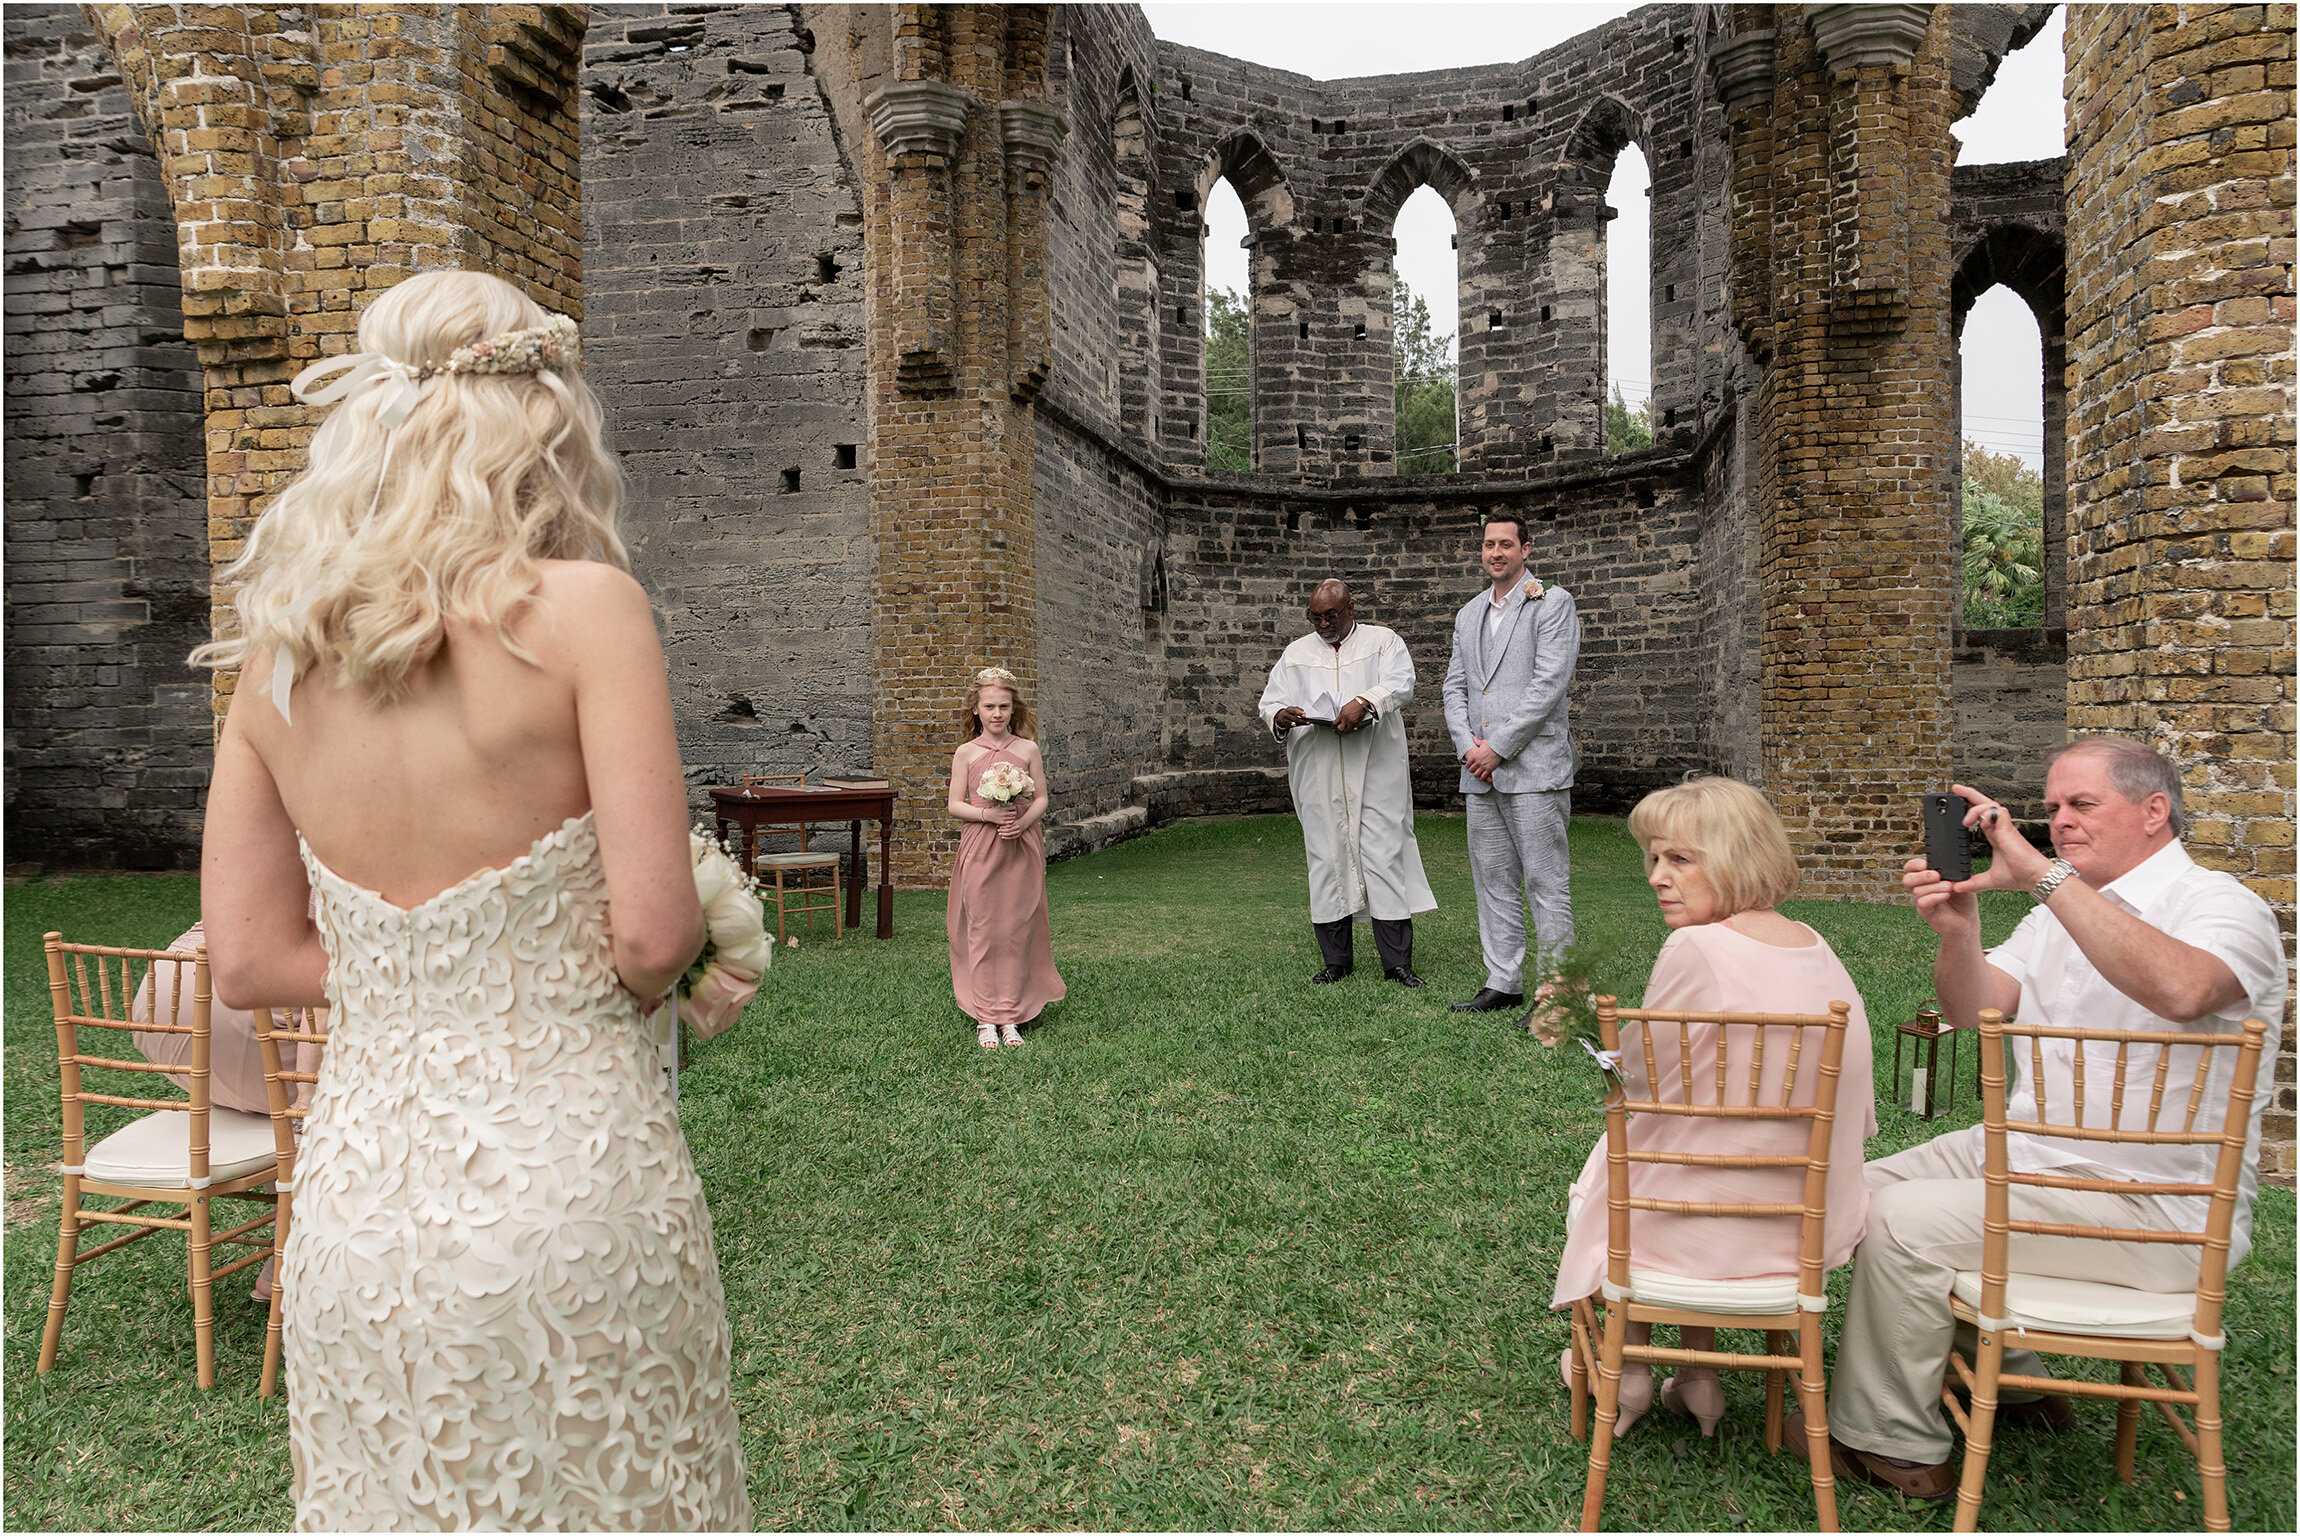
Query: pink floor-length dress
x=1714, y=966
x=1001, y=945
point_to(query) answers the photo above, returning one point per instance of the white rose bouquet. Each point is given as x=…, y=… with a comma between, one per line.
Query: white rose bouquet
x=1003, y=783
x=725, y=976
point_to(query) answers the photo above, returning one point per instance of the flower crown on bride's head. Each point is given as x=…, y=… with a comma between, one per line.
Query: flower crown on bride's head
x=555, y=346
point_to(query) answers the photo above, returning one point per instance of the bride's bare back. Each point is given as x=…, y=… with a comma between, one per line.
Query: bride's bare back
x=485, y=754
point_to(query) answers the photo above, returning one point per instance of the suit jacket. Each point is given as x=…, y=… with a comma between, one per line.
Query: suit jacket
x=1515, y=698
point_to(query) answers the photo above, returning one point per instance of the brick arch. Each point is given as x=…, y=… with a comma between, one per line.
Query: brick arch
x=1423, y=163
x=1243, y=160
x=2030, y=262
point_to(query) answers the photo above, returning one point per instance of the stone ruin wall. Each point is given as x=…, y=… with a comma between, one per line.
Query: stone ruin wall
x=724, y=328
x=107, y=553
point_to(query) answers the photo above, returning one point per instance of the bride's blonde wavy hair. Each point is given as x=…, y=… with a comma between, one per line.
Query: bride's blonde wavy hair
x=391, y=533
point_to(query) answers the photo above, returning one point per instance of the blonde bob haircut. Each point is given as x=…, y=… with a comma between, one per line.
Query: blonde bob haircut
x=388, y=536
x=1733, y=834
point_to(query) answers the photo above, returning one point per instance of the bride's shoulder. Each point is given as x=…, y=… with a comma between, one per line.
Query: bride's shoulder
x=584, y=606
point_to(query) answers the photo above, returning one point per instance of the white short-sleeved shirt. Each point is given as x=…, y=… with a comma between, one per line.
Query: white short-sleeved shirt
x=2200, y=907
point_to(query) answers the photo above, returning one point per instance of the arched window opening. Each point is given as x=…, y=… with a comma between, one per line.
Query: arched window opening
x=2000, y=367
x=1629, y=305
x=1226, y=304
x=1424, y=317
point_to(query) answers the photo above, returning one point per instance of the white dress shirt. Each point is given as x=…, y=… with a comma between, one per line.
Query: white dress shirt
x=2202, y=908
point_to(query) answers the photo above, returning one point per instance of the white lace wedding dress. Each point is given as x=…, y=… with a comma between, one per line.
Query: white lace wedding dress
x=502, y=1302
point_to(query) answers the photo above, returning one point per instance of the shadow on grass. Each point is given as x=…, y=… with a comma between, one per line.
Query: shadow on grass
x=1215, y=1249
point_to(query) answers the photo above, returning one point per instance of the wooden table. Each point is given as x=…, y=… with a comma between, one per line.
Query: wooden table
x=771, y=805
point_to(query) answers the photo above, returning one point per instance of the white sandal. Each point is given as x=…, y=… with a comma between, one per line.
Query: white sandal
x=1009, y=1035
x=986, y=1036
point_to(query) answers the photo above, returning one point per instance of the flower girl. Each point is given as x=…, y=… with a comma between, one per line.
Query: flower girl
x=1001, y=949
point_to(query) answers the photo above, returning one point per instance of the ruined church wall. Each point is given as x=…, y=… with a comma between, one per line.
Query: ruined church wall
x=108, y=728
x=1522, y=154
x=724, y=332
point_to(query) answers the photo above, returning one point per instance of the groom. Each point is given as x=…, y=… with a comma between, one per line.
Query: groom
x=1514, y=647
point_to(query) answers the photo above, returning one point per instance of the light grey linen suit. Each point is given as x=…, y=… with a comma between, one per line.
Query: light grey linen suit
x=1512, y=695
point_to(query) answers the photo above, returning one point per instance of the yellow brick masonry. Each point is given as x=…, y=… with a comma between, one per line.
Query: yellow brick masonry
x=316, y=155
x=2180, y=358
x=1849, y=169
x=952, y=442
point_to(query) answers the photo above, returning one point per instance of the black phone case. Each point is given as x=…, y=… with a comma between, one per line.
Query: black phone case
x=1945, y=848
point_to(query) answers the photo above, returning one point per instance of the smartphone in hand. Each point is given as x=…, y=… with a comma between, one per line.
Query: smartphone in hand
x=1946, y=851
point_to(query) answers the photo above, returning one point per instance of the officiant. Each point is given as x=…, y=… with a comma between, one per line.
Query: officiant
x=1338, y=697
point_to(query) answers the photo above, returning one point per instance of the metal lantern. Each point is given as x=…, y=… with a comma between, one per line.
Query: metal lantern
x=1928, y=1093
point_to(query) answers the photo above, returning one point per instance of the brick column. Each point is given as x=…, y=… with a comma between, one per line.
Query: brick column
x=1846, y=276
x=316, y=155
x=955, y=197
x=2180, y=484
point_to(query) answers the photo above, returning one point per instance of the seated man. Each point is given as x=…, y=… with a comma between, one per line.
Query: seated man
x=2128, y=933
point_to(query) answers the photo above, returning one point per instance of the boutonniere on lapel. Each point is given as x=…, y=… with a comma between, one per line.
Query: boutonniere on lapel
x=1534, y=590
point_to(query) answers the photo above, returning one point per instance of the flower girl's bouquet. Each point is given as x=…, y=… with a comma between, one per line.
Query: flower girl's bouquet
x=1003, y=784
x=725, y=976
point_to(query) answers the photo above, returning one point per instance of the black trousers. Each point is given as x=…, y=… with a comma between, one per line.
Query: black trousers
x=1394, y=938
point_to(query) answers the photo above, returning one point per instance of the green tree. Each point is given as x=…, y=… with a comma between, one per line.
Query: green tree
x=2003, y=541
x=2005, y=476
x=1229, y=385
x=1626, y=430
x=1426, y=431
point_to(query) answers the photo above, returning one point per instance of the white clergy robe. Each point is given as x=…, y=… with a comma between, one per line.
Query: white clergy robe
x=1354, y=793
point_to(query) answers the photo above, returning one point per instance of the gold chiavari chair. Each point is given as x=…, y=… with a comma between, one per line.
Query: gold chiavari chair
x=289, y=1107
x=2177, y=1333
x=182, y=1153
x=1635, y=1295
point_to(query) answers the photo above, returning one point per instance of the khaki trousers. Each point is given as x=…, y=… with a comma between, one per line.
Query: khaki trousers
x=1925, y=1211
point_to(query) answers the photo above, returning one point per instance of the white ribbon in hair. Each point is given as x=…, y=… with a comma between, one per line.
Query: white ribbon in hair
x=361, y=370
x=283, y=659
x=356, y=372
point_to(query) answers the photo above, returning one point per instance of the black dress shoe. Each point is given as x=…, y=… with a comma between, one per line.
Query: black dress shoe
x=1403, y=975
x=1489, y=1001
x=1330, y=973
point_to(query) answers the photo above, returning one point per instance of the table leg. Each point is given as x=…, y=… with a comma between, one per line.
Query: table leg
x=856, y=873
x=886, y=878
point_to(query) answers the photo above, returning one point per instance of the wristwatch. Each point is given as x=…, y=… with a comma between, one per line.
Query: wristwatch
x=2061, y=869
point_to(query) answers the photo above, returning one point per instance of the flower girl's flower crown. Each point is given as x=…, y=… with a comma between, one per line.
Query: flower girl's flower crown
x=996, y=677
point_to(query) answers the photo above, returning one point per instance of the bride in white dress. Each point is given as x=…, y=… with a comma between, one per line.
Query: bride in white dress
x=453, y=725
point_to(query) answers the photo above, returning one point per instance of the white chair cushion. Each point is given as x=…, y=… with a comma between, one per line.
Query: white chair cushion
x=797, y=860
x=1747, y=1298
x=2053, y=1305
x=155, y=1152
x=1743, y=1298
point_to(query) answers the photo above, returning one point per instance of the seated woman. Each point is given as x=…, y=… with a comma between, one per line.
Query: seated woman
x=1718, y=860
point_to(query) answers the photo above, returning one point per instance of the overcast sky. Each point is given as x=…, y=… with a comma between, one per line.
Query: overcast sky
x=2019, y=119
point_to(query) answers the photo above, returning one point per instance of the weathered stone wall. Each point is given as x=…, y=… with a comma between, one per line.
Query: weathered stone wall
x=2181, y=307
x=1522, y=153
x=107, y=727
x=2012, y=713
x=723, y=328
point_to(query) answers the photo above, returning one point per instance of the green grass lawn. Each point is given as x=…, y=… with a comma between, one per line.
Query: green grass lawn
x=1217, y=1249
